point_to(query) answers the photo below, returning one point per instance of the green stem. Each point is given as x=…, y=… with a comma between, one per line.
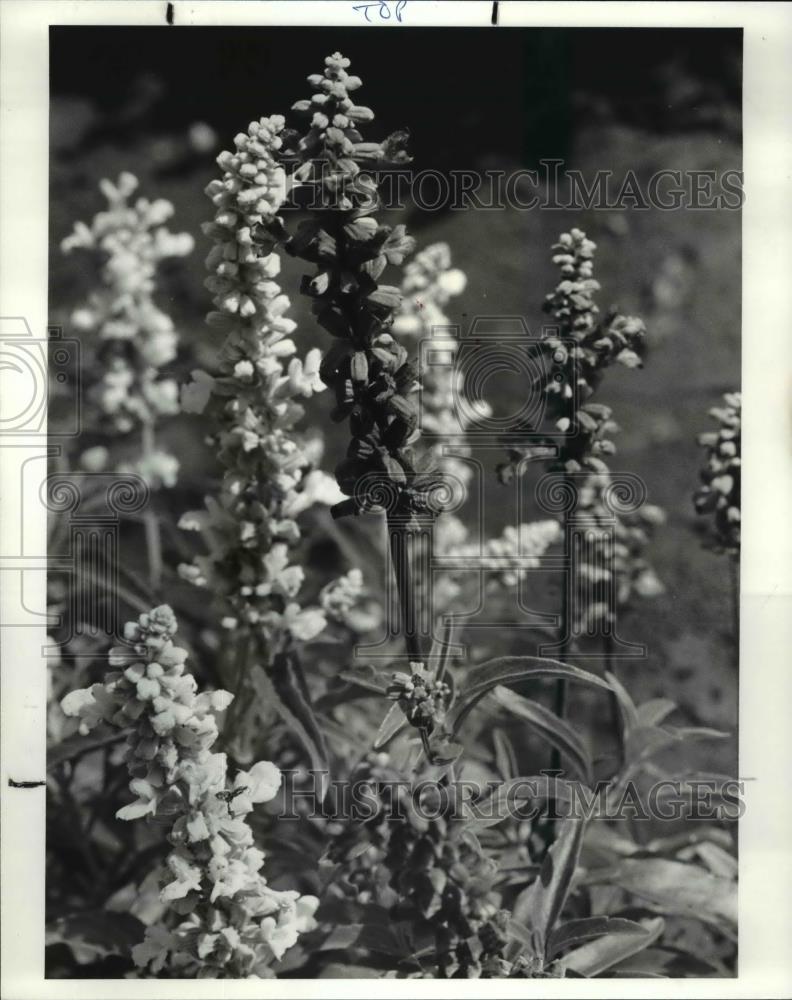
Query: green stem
x=151, y=522
x=560, y=696
x=402, y=571
x=617, y=722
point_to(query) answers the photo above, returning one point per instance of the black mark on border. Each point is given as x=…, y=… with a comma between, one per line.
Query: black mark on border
x=494, y=18
x=169, y=13
x=24, y=784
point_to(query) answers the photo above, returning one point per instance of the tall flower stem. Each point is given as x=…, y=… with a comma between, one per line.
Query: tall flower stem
x=150, y=520
x=402, y=570
x=560, y=694
x=617, y=722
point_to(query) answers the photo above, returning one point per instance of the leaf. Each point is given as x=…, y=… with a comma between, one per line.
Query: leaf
x=668, y=962
x=509, y=670
x=505, y=799
x=540, y=905
x=394, y=469
x=718, y=861
x=553, y=729
x=442, y=750
x=392, y=724
x=340, y=970
x=643, y=742
x=442, y=648
x=77, y=745
x=626, y=704
x=652, y=712
x=341, y=938
x=292, y=701
x=594, y=957
x=577, y=931
x=96, y=934
x=366, y=676
x=505, y=757
x=675, y=887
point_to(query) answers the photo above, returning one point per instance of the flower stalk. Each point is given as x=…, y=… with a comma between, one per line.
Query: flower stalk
x=269, y=473
x=577, y=354
x=221, y=920
x=367, y=369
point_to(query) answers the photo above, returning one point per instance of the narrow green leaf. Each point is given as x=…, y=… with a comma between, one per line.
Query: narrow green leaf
x=575, y=932
x=95, y=934
x=506, y=798
x=595, y=957
x=509, y=670
x=292, y=701
x=626, y=704
x=442, y=648
x=652, y=712
x=557, y=732
x=365, y=676
x=675, y=887
x=540, y=905
x=77, y=745
x=392, y=724
x=505, y=757
x=669, y=963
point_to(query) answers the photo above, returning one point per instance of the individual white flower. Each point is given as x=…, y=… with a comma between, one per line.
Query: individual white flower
x=304, y=377
x=259, y=784
x=157, y=468
x=94, y=459
x=304, y=624
x=452, y=282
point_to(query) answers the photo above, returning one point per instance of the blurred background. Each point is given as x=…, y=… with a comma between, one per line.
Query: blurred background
x=162, y=103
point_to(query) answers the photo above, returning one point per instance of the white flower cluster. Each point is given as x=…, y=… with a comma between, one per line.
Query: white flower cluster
x=614, y=572
x=269, y=474
x=223, y=920
x=428, y=285
x=430, y=282
x=136, y=339
x=346, y=602
x=504, y=559
x=719, y=494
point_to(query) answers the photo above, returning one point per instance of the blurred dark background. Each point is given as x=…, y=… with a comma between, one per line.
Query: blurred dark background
x=163, y=102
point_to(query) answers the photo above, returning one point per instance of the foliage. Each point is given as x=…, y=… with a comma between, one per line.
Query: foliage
x=519, y=881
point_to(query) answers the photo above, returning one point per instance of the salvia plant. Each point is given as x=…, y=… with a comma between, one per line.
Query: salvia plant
x=577, y=350
x=133, y=338
x=270, y=473
x=719, y=493
x=429, y=283
x=718, y=497
x=222, y=918
x=283, y=692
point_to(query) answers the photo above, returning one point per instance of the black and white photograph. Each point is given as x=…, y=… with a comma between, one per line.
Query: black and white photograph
x=384, y=431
